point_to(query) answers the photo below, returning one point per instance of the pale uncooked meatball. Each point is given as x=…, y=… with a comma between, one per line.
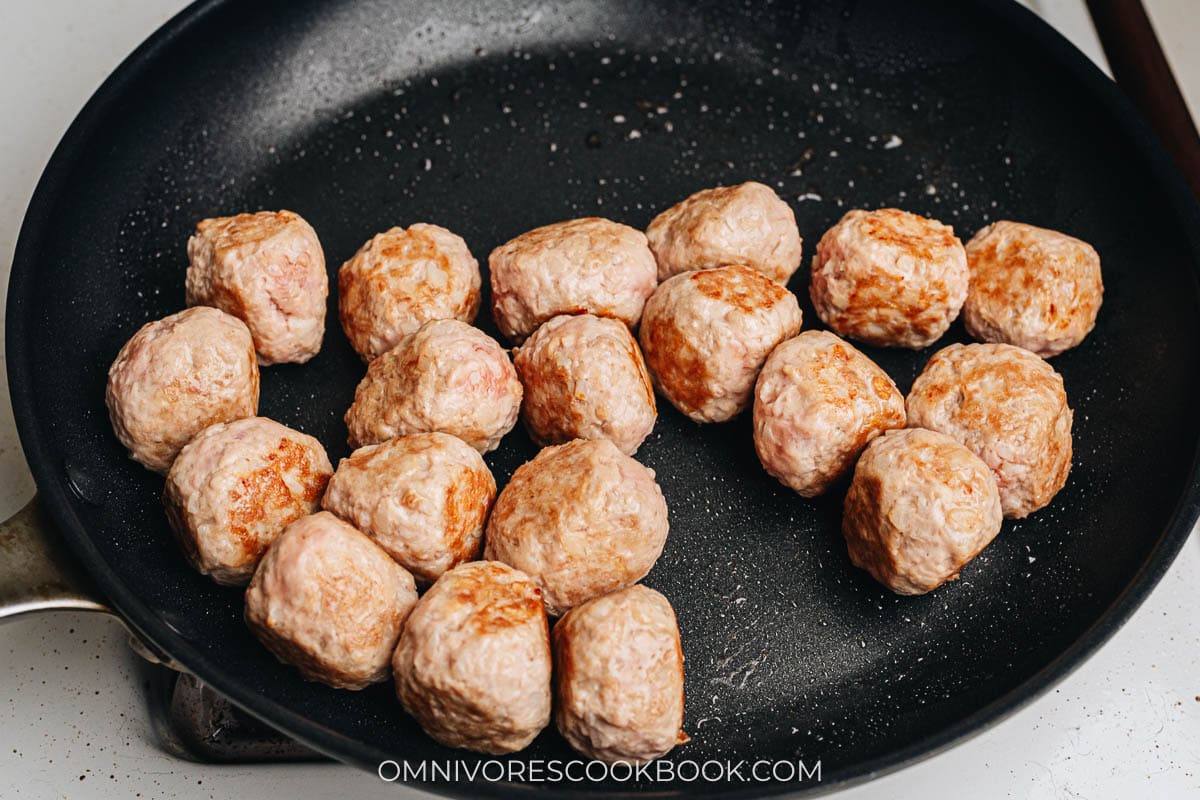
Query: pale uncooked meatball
x=401, y=279
x=744, y=224
x=584, y=378
x=330, y=602
x=889, y=278
x=448, y=377
x=473, y=663
x=175, y=377
x=1032, y=287
x=423, y=498
x=590, y=265
x=1009, y=407
x=920, y=507
x=268, y=270
x=817, y=404
x=582, y=519
x=235, y=487
x=618, y=688
x=706, y=335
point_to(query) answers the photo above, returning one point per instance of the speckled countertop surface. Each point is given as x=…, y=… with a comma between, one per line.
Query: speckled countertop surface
x=73, y=720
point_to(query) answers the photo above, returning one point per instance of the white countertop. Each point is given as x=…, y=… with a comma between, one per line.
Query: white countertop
x=72, y=715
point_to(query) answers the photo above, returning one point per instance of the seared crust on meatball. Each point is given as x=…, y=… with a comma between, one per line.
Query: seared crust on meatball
x=330, y=602
x=706, y=335
x=448, y=377
x=584, y=378
x=744, y=224
x=920, y=507
x=817, y=404
x=889, y=278
x=423, y=498
x=175, y=377
x=1008, y=407
x=582, y=519
x=582, y=266
x=473, y=662
x=618, y=678
x=401, y=279
x=1032, y=287
x=268, y=270
x=235, y=487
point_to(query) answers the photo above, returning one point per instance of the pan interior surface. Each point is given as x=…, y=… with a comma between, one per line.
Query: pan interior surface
x=491, y=118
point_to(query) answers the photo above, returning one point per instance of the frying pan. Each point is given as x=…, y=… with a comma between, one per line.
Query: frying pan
x=494, y=117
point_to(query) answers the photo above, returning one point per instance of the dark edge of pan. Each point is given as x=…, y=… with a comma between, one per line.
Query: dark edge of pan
x=37, y=222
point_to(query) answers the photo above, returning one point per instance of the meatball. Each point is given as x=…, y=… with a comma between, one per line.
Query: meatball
x=448, y=377
x=706, y=335
x=330, y=602
x=473, y=663
x=1035, y=288
x=235, y=487
x=423, y=498
x=401, y=279
x=582, y=519
x=817, y=404
x=618, y=686
x=744, y=224
x=589, y=265
x=584, y=378
x=889, y=278
x=177, y=376
x=1008, y=407
x=920, y=507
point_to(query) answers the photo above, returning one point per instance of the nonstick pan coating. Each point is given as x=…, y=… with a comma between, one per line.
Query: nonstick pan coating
x=494, y=117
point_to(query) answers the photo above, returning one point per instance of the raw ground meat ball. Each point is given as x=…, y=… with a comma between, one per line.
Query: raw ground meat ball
x=817, y=404
x=175, y=377
x=448, y=377
x=330, y=602
x=584, y=378
x=1009, y=407
x=235, y=487
x=706, y=335
x=591, y=265
x=889, y=278
x=920, y=507
x=473, y=663
x=618, y=682
x=268, y=270
x=1031, y=287
x=744, y=224
x=423, y=498
x=401, y=279
x=582, y=519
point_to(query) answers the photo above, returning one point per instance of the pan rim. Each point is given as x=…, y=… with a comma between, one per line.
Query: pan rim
x=1100, y=90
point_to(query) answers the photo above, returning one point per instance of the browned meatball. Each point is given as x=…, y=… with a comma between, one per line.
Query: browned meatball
x=401, y=279
x=581, y=519
x=706, y=335
x=1008, y=407
x=473, y=663
x=920, y=507
x=889, y=278
x=584, y=378
x=423, y=498
x=235, y=487
x=268, y=270
x=589, y=265
x=1031, y=287
x=177, y=376
x=744, y=224
x=330, y=602
x=618, y=681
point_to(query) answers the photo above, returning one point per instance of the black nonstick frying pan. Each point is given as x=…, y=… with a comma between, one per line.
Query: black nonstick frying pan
x=495, y=117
